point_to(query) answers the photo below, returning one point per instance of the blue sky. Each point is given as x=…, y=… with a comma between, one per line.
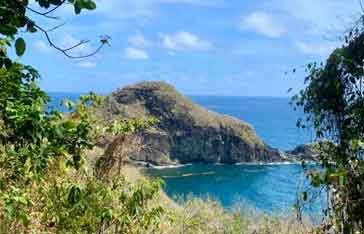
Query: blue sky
x=206, y=47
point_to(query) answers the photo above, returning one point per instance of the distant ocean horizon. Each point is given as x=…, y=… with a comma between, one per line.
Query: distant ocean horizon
x=270, y=188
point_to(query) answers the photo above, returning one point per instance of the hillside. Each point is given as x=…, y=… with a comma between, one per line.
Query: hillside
x=186, y=132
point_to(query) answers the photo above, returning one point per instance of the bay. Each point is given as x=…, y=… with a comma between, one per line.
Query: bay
x=270, y=188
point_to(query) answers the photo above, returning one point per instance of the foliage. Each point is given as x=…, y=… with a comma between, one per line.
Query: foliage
x=334, y=103
x=20, y=16
x=206, y=216
x=14, y=16
x=96, y=207
x=46, y=185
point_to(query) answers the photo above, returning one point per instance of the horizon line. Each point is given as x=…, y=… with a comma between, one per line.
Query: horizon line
x=186, y=94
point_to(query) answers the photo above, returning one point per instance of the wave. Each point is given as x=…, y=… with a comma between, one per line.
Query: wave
x=159, y=167
x=267, y=163
x=191, y=174
x=169, y=166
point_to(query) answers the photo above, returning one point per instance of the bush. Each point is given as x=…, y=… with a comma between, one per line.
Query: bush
x=45, y=183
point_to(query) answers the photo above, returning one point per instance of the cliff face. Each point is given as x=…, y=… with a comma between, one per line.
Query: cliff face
x=307, y=152
x=186, y=132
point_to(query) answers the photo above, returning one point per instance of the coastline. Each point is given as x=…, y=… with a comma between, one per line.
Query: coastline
x=149, y=165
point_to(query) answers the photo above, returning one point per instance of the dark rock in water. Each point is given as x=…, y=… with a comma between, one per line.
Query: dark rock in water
x=186, y=132
x=307, y=152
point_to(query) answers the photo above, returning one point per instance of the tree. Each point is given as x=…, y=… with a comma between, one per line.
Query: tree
x=16, y=16
x=334, y=104
x=45, y=186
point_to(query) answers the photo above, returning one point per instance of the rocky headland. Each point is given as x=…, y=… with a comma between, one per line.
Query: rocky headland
x=186, y=132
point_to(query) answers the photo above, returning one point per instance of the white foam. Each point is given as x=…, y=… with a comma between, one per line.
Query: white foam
x=268, y=163
x=170, y=166
x=149, y=165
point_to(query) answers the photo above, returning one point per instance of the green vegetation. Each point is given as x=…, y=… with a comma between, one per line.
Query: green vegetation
x=48, y=182
x=334, y=103
x=196, y=216
x=186, y=132
x=206, y=216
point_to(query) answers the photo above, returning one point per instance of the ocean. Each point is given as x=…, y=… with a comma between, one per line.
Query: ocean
x=269, y=188
x=273, y=118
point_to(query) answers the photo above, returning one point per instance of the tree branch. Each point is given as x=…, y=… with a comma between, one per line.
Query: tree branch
x=55, y=27
x=46, y=14
x=77, y=45
x=42, y=14
x=104, y=40
x=361, y=5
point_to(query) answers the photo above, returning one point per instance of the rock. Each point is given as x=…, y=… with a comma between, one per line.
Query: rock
x=307, y=152
x=186, y=132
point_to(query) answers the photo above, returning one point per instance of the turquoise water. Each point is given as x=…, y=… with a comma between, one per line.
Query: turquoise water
x=270, y=188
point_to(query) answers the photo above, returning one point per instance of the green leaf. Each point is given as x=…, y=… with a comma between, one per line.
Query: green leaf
x=84, y=4
x=8, y=30
x=8, y=63
x=88, y=4
x=77, y=9
x=20, y=46
x=304, y=196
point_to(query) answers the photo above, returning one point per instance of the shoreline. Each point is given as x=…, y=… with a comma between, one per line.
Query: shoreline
x=148, y=165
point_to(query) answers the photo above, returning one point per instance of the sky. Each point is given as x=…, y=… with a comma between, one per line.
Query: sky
x=202, y=47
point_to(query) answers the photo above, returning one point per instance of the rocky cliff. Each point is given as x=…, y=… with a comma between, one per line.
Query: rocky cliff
x=307, y=152
x=186, y=132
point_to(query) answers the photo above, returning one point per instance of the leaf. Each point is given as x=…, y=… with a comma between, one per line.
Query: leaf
x=8, y=30
x=20, y=46
x=304, y=196
x=315, y=180
x=107, y=214
x=84, y=4
x=77, y=9
x=8, y=63
x=31, y=27
x=88, y=4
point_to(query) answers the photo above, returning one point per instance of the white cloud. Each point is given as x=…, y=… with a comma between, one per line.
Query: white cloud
x=135, y=54
x=184, y=41
x=264, y=24
x=322, y=49
x=86, y=64
x=324, y=17
x=139, y=41
x=42, y=47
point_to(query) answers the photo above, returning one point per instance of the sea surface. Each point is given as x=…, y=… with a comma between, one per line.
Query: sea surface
x=269, y=188
x=273, y=118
